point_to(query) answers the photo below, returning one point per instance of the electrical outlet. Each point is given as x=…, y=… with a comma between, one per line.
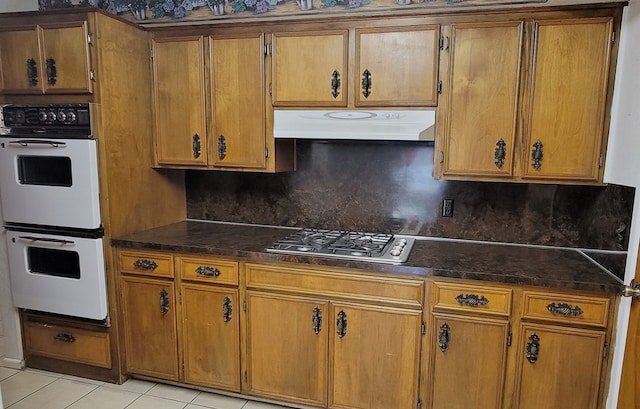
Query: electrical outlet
x=447, y=208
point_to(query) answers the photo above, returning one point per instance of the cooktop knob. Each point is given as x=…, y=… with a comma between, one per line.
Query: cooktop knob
x=71, y=116
x=42, y=116
x=51, y=116
x=62, y=116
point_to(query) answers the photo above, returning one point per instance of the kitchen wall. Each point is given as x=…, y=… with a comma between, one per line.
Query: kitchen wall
x=388, y=187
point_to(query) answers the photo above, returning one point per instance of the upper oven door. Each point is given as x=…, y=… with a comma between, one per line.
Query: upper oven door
x=52, y=182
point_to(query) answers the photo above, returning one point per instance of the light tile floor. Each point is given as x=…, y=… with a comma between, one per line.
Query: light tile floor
x=34, y=389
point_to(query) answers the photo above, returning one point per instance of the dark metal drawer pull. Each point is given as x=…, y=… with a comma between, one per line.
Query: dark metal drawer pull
x=316, y=319
x=145, y=264
x=52, y=72
x=536, y=155
x=65, y=337
x=227, y=309
x=32, y=72
x=501, y=153
x=341, y=323
x=335, y=84
x=472, y=300
x=164, y=302
x=533, y=348
x=366, y=83
x=444, y=336
x=564, y=309
x=195, y=145
x=208, y=271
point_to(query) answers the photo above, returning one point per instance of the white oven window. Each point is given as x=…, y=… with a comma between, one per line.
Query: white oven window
x=53, y=262
x=45, y=170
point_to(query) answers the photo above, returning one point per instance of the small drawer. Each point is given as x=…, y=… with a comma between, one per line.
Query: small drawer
x=148, y=263
x=68, y=344
x=561, y=308
x=472, y=298
x=208, y=270
x=336, y=284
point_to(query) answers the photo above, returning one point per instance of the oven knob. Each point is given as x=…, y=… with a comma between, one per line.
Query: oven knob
x=42, y=116
x=396, y=251
x=51, y=116
x=71, y=116
x=62, y=116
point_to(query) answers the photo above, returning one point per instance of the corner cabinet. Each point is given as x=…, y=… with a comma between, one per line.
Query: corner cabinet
x=313, y=68
x=541, y=115
x=51, y=58
x=210, y=104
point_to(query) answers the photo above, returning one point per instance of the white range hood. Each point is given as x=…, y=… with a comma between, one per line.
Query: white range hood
x=389, y=125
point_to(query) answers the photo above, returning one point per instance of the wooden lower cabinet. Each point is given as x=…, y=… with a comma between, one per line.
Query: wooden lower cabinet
x=469, y=356
x=210, y=333
x=558, y=367
x=287, y=347
x=374, y=357
x=150, y=333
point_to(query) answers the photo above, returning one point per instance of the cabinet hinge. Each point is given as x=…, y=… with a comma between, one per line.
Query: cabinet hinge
x=270, y=88
x=419, y=405
x=180, y=298
x=246, y=376
x=444, y=43
x=266, y=152
x=267, y=49
x=90, y=39
x=92, y=75
x=439, y=87
x=441, y=154
x=613, y=36
x=509, y=338
x=601, y=161
x=605, y=351
x=244, y=306
x=423, y=328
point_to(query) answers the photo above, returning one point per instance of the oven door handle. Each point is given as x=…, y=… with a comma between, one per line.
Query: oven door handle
x=26, y=142
x=33, y=238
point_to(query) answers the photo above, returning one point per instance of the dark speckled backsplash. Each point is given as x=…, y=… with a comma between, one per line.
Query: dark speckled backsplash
x=387, y=186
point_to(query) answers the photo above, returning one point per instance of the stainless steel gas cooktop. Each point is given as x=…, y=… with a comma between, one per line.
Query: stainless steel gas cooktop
x=350, y=245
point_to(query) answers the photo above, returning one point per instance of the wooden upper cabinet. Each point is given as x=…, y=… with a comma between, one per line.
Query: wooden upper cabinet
x=51, y=59
x=238, y=100
x=568, y=94
x=396, y=66
x=310, y=68
x=179, y=101
x=481, y=105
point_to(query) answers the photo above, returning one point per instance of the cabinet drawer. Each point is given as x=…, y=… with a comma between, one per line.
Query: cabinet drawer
x=563, y=308
x=148, y=263
x=208, y=270
x=481, y=299
x=330, y=283
x=69, y=344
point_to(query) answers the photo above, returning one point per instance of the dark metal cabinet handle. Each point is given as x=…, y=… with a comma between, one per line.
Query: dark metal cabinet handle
x=145, y=264
x=52, y=72
x=335, y=84
x=316, y=320
x=208, y=271
x=195, y=144
x=564, y=309
x=222, y=147
x=533, y=348
x=65, y=337
x=227, y=309
x=366, y=83
x=444, y=336
x=501, y=153
x=536, y=155
x=341, y=324
x=472, y=300
x=164, y=302
x=32, y=72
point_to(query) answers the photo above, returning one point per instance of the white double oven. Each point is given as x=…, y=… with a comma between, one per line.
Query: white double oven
x=50, y=196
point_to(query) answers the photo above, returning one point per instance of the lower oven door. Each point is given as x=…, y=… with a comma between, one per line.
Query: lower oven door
x=50, y=182
x=58, y=274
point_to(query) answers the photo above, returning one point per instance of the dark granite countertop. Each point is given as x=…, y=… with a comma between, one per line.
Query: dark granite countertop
x=558, y=268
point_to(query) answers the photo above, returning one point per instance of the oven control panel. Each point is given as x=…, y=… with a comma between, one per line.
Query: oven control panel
x=52, y=118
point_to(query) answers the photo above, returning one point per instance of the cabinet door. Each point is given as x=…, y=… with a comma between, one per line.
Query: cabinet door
x=179, y=101
x=149, y=320
x=568, y=98
x=238, y=103
x=397, y=66
x=65, y=58
x=287, y=348
x=19, y=51
x=211, y=336
x=374, y=355
x=482, y=99
x=468, y=361
x=310, y=69
x=558, y=367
